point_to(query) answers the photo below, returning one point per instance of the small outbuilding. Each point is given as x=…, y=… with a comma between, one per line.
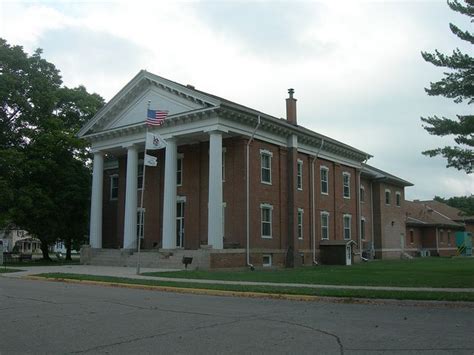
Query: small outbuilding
x=336, y=252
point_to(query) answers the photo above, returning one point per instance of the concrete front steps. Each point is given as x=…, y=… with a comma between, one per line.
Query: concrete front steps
x=164, y=259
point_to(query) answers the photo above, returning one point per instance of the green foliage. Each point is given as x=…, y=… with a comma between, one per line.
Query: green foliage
x=457, y=84
x=44, y=177
x=464, y=203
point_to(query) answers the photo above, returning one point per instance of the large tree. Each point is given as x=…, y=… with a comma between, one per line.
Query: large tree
x=457, y=84
x=464, y=203
x=44, y=176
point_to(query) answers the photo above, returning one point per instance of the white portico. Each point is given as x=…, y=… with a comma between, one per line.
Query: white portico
x=119, y=130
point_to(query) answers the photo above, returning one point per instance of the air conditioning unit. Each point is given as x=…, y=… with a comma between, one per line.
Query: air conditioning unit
x=424, y=253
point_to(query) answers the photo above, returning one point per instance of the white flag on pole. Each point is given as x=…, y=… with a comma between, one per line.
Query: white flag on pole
x=150, y=160
x=154, y=141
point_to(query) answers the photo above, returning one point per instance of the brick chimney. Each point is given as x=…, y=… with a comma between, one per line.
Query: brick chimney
x=291, y=107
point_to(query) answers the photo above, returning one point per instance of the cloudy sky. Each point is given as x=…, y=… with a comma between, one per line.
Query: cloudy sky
x=355, y=66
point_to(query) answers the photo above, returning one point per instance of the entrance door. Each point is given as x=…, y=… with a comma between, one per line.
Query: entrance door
x=348, y=255
x=180, y=224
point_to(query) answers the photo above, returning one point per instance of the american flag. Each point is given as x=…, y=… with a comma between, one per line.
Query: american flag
x=156, y=117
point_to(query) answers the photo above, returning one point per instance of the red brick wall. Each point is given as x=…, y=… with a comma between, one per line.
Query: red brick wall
x=195, y=189
x=389, y=219
x=109, y=213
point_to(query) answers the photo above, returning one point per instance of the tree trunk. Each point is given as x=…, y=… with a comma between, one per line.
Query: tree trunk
x=45, y=251
x=68, y=243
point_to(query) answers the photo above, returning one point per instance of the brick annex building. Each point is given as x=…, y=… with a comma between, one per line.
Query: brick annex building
x=310, y=198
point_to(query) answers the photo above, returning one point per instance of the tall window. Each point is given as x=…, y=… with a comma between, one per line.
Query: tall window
x=449, y=238
x=179, y=171
x=324, y=180
x=224, y=205
x=441, y=236
x=388, y=197
x=223, y=164
x=300, y=223
x=347, y=226
x=114, y=183
x=362, y=194
x=140, y=222
x=398, y=198
x=266, y=166
x=299, y=174
x=140, y=176
x=346, y=178
x=266, y=220
x=324, y=225
x=412, y=237
x=362, y=228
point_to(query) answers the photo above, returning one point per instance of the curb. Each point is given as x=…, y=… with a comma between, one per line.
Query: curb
x=260, y=295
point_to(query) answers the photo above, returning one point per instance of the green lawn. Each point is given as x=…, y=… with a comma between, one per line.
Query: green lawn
x=3, y=270
x=371, y=294
x=41, y=262
x=421, y=272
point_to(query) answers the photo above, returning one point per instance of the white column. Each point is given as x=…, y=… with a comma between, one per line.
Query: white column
x=214, y=219
x=95, y=235
x=130, y=225
x=169, y=198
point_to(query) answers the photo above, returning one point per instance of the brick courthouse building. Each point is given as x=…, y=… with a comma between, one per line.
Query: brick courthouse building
x=308, y=194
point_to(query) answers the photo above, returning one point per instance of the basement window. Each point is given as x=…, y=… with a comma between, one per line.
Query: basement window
x=267, y=260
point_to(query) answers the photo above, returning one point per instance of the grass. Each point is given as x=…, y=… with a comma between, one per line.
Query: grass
x=4, y=270
x=41, y=262
x=370, y=294
x=420, y=272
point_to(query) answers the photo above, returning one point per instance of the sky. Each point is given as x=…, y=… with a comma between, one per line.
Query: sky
x=355, y=65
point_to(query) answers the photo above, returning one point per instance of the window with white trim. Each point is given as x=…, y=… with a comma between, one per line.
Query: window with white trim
x=362, y=228
x=347, y=226
x=441, y=236
x=179, y=170
x=224, y=205
x=324, y=172
x=449, y=238
x=346, y=185
x=299, y=174
x=140, y=222
x=140, y=175
x=398, y=198
x=325, y=225
x=223, y=164
x=114, y=186
x=267, y=260
x=362, y=194
x=388, y=196
x=300, y=223
x=266, y=220
x=266, y=166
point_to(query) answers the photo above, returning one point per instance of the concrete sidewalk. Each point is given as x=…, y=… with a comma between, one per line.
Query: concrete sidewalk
x=128, y=272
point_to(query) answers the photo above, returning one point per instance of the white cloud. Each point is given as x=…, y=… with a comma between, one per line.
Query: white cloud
x=356, y=66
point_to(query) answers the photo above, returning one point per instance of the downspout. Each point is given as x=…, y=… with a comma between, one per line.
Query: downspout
x=313, y=204
x=248, y=193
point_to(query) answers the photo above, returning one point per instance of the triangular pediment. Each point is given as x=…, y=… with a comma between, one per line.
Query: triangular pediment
x=129, y=106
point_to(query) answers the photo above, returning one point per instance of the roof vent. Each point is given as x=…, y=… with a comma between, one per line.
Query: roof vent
x=190, y=86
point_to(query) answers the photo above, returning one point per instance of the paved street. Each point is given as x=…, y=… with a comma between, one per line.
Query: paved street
x=52, y=317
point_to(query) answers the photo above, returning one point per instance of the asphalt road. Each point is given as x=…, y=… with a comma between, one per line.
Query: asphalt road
x=49, y=317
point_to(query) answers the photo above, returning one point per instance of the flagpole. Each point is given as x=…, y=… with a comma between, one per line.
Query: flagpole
x=141, y=230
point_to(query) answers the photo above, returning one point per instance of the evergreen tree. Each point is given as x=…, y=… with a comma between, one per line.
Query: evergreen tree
x=457, y=84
